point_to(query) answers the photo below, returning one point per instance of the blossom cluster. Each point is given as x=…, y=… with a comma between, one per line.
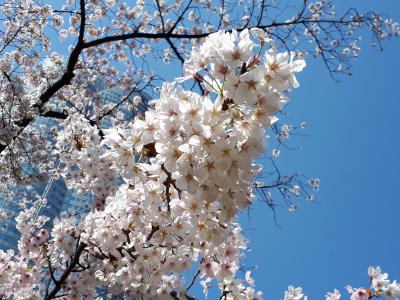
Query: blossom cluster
x=380, y=286
x=86, y=166
x=177, y=206
x=185, y=169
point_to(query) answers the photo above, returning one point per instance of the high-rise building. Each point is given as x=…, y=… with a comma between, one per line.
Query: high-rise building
x=58, y=198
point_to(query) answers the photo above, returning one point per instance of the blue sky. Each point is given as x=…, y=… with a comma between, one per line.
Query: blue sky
x=353, y=146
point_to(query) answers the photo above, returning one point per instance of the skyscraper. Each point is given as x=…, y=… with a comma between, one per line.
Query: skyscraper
x=58, y=197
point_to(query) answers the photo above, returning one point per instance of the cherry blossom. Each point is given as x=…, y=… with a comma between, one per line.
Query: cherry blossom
x=169, y=182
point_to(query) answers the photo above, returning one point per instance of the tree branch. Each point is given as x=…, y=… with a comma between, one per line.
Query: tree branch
x=55, y=115
x=59, y=283
x=63, y=81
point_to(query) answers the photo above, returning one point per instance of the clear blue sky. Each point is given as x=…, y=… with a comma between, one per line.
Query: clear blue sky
x=353, y=147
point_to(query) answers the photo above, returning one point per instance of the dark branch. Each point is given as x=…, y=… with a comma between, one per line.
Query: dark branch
x=55, y=115
x=73, y=263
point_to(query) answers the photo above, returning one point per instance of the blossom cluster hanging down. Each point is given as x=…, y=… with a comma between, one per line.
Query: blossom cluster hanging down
x=200, y=169
x=180, y=200
x=187, y=167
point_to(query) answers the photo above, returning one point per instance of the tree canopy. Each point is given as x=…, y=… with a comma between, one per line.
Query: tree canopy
x=168, y=176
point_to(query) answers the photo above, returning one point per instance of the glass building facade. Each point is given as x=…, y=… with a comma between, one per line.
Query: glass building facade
x=59, y=199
